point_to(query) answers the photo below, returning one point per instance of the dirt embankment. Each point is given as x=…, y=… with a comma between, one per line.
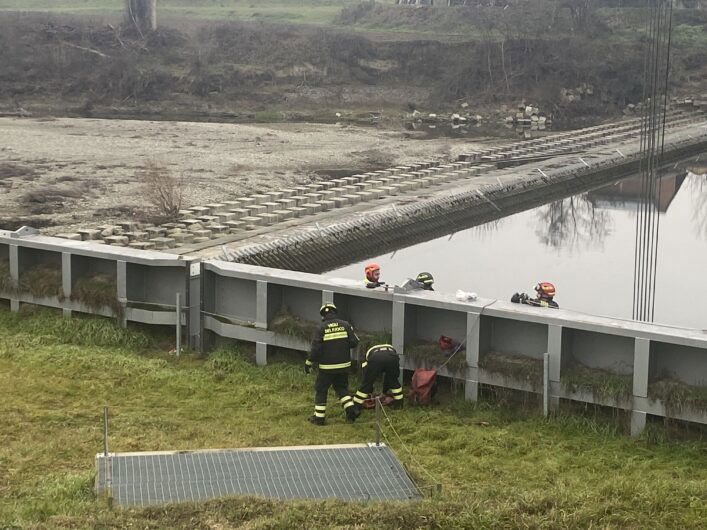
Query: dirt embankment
x=267, y=73
x=67, y=173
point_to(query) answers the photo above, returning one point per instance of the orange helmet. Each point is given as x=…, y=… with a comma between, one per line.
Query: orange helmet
x=373, y=272
x=545, y=289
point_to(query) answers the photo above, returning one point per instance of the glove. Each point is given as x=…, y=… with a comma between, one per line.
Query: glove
x=307, y=367
x=515, y=298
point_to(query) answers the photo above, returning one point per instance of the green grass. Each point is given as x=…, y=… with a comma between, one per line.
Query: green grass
x=498, y=469
x=601, y=384
x=316, y=12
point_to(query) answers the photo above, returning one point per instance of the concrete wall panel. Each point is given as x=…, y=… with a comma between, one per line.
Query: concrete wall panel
x=517, y=337
x=681, y=362
x=366, y=314
x=599, y=350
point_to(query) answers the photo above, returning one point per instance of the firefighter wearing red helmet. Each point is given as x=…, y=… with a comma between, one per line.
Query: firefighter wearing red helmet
x=545, y=296
x=331, y=352
x=373, y=275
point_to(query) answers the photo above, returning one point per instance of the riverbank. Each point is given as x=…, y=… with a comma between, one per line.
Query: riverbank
x=518, y=469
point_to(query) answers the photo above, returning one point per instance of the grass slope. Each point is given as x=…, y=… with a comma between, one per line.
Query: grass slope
x=498, y=469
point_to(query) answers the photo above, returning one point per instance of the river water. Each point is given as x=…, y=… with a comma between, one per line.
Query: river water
x=583, y=244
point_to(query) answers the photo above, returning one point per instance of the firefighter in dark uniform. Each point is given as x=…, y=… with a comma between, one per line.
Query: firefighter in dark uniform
x=425, y=281
x=545, y=296
x=331, y=352
x=380, y=359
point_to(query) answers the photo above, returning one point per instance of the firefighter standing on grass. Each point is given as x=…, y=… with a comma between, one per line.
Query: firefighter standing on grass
x=380, y=360
x=331, y=352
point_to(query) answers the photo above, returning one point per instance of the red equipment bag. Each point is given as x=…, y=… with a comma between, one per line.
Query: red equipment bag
x=424, y=386
x=370, y=403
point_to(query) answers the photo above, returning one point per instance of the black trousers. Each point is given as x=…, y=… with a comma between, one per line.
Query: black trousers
x=384, y=364
x=340, y=382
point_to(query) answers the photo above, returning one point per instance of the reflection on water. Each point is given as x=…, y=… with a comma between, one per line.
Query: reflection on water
x=583, y=244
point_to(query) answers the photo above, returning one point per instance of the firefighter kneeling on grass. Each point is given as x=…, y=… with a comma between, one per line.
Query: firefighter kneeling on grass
x=380, y=359
x=331, y=351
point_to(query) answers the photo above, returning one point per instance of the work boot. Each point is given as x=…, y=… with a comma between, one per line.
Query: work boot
x=316, y=420
x=397, y=404
x=352, y=414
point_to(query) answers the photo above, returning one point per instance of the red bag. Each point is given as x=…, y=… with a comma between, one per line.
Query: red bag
x=423, y=386
x=370, y=403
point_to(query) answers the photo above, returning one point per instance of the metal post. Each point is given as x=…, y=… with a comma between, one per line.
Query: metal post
x=178, y=347
x=105, y=432
x=546, y=384
x=378, y=421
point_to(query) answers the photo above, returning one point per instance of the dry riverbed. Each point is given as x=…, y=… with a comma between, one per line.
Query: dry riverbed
x=63, y=173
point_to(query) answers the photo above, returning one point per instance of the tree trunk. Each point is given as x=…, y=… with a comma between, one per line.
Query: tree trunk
x=142, y=14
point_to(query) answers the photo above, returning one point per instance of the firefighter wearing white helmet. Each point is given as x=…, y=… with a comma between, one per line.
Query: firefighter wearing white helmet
x=331, y=353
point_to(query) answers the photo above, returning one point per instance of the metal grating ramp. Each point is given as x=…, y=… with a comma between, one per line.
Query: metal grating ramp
x=348, y=472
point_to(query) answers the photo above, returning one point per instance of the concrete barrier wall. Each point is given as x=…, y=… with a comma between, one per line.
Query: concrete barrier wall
x=145, y=283
x=641, y=368
x=598, y=360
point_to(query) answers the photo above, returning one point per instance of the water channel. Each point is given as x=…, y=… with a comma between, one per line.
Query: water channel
x=583, y=244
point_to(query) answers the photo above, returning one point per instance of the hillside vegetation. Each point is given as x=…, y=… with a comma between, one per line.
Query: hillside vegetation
x=211, y=57
x=498, y=469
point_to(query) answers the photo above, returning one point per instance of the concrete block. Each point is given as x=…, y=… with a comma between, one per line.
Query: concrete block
x=201, y=239
x=299, y=199
x=316, y=186
x=352, y=179
x=208, y=218
x=284, y=215
x=202, y=233
x=257, y=209
x=251, y=221
x=269, y=218
x=362, y=186
x=340, y=202
x=142, y=245
x=73, y=237
x=365, y=196
x=240, y=213
x=155, y=231
x=89, y=234
x=229, y=205
x=163, y=242
x=185, y=213
x=195, y=227
x=297, y=211
x=270, y=206
x=118, y=241
x=375, y=193
x=200, y=210
x=136, y=236
x=274, y=196
x=184, y=237
x=287, y=193
x=190, y=222
x=223, y=217
x=286, y=203
x=353, y=198
x=313, y=197
x=326, y=205
x=311, y=208
x=260, y=198
x=218, y=229
x=331, y=193
x=245, y=202
x=216, y=207
x=235, y=226
x=326, y=184
x=389, y=190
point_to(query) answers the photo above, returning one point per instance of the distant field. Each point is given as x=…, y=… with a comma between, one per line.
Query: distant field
x=320, y=12
x=498, y=468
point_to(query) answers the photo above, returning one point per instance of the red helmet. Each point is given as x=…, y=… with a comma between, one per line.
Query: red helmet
x=373, y=272
x=545, y=289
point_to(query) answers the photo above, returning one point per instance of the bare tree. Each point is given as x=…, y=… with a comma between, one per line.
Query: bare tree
x=163, y=189
x=572, y=222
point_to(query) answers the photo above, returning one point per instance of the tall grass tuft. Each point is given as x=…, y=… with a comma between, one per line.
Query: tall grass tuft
x=519, y=367
x=45, y=328
x=288, y=324
x=601, y=384
x=42, y=281
x=98, y=292
x=7, y=285
x=428, y=354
